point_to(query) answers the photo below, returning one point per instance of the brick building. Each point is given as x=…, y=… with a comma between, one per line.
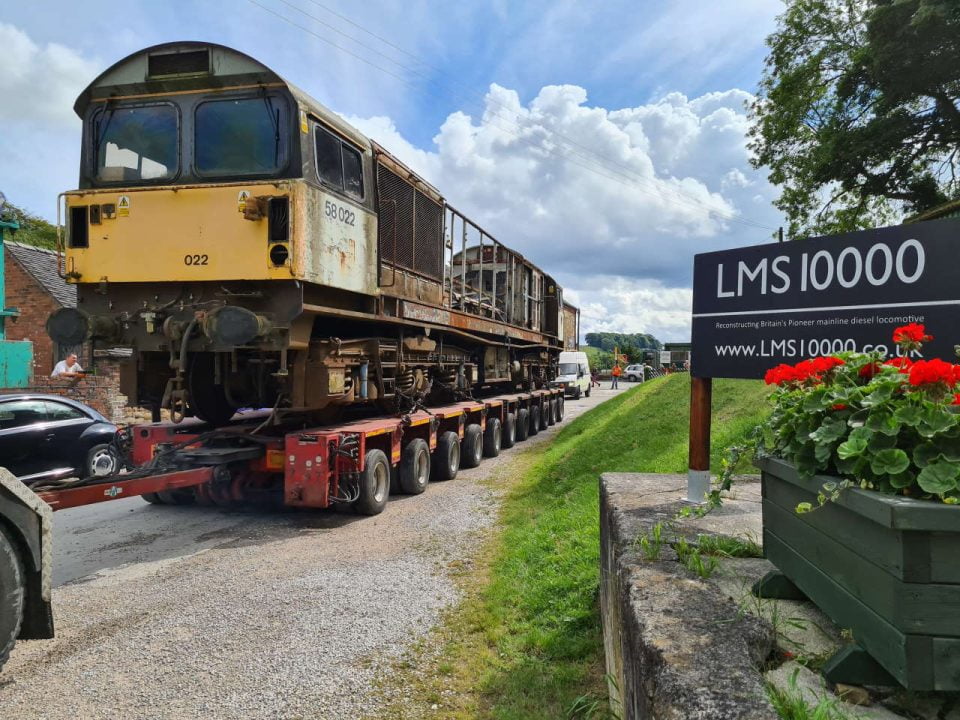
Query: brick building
x=36, y=289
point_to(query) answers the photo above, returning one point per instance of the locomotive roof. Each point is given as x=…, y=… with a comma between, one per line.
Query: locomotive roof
x=192, y=65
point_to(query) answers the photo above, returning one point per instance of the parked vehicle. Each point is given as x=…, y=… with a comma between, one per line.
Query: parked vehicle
x=47, y=437
x=633, y=373
x=573, y=374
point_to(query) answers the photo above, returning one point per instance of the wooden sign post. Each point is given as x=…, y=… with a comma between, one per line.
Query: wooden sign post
x=698, y=473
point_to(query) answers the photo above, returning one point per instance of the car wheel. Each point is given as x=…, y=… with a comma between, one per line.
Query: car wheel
x=14, y=586
x=492, y=438
x=472, y=446
x=576, y=394
x=523, y=424
x=374, y=484
x=415, y=467
x=588, y=391
x=102, y=461
x=509, y=432
x=446, y=458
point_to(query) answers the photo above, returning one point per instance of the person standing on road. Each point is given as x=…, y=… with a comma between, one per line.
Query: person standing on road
x=68, y=367
x=615, y=374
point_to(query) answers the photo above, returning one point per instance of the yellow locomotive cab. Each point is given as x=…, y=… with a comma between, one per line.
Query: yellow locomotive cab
x=178, y=234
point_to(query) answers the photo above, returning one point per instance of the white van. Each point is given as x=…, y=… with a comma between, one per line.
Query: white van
x=573, y=374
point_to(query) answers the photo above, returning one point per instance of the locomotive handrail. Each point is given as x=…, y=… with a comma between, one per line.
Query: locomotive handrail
x=61, y=262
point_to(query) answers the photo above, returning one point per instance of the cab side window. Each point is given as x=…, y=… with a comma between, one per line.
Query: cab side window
x=338, y=164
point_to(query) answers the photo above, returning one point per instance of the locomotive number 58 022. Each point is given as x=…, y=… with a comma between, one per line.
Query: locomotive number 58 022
x=339, y=212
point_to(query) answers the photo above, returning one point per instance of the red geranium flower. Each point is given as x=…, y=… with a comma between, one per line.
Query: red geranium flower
x=869, y=370
x=928, y=372
x=904, y=363
x=912, y=333
x=956, y=399
x=839, y=406
x=780, y=374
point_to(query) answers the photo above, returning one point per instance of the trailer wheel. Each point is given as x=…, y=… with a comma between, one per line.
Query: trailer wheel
x=447, y=456
x=552, y=414
x=560, y=408
x=374, y=484
x=534, y=421
x=523, y=424
x=153, y=498
x=415, y=467
x=472, y=448
x=509, y=438
x=12, y=594
x=492, y=438
x=544, y=415
x=176, y=497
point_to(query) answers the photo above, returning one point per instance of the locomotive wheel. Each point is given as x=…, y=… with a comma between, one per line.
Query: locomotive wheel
x=415, y=467
x=492, y=438
x=560, y=408
x=13, y=588
x=509, y=438
x=534, y=420
x=446, y=458
x=472, y=449
x=374, y=484
x=523, y=424
x=207, y=401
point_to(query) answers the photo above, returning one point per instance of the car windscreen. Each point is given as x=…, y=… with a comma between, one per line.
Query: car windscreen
x=137, y=143
x=240, y=136
x=568, y=368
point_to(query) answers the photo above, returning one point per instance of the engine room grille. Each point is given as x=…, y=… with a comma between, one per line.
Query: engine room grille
x=411, y=226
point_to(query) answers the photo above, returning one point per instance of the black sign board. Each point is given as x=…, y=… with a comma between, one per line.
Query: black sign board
x=756, y=307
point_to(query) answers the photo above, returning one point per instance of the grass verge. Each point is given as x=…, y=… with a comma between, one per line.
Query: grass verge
x=526, y=642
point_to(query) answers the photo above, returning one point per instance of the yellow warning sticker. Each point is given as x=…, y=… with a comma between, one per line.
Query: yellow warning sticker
x=242, y=200
x=123, y=206
x=304, y=128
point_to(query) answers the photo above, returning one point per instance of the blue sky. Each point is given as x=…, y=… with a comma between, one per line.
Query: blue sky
x=593, y=136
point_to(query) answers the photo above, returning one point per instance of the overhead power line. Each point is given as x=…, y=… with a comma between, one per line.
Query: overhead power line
x=595, y=162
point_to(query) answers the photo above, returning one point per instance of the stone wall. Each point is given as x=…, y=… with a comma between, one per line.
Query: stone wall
x=35, y=305
x=101, y=390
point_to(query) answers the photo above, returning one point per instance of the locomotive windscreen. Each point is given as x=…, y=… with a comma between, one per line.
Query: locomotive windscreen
x=410, y=226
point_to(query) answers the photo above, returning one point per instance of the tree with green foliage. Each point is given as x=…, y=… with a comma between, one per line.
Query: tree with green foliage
x=33, y=230
x=608, y=341
x=857, y=116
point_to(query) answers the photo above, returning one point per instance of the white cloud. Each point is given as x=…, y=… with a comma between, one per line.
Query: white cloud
x=614, y=203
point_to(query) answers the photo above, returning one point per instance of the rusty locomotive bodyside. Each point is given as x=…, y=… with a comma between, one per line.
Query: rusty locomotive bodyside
x=256, y=251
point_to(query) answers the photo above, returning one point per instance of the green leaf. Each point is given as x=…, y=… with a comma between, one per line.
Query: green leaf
x=902, y=480
x=879, y=396
x=882, y=421
x=889, y=462
x=939, y=477
x=858, y=418
x=816, y=400
x=925, y=453
x=935, y=420
x=831, y=430
x=852, y=447
x=908, y=415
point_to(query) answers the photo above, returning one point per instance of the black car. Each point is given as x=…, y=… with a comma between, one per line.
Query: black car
x=46, y=437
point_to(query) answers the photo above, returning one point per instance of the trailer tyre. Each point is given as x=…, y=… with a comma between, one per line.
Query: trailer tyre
x=415, y=467
x=374, y=484
x=523, y=424
x=544, y=415
x=552, y=415
x=509, y=438
x=492, y=438
x=13, y=591
x=472, y=448
x=153, y=498
x=560, y=408
x=446, y=458
x=534, y=421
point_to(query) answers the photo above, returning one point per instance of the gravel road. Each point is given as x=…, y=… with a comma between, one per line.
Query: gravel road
x=188, y=612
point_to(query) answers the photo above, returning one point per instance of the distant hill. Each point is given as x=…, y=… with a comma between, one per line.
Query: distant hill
x=33, y=230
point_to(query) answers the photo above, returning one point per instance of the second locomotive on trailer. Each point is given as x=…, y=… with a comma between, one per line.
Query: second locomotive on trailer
x=258, y=251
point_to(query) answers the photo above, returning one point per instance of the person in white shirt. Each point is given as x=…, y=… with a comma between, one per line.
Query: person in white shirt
x=67, y=368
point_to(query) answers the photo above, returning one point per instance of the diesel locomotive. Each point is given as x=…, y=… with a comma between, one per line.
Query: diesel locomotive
x=258, y=251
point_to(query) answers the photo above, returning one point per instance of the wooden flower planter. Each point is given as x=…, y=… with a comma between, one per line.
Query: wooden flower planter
x=886, y=568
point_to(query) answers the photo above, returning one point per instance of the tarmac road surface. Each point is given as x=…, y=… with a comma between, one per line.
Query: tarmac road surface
x=194, y=612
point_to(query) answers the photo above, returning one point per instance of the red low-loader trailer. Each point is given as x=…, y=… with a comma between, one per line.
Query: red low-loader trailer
x=352, y=465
